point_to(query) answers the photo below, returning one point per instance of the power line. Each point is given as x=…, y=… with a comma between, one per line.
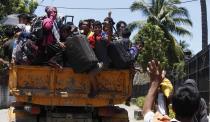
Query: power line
x=188, y=1
x=88, y=8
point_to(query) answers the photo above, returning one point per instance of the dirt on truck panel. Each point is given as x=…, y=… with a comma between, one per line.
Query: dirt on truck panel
x=48, y=86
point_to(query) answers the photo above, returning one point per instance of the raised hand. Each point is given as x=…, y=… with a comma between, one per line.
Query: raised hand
x=155, y=72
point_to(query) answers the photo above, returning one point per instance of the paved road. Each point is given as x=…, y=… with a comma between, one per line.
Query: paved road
x=131, y=110
x=4, y=115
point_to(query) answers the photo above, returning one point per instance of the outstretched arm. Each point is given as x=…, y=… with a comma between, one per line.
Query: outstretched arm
x=155, y=74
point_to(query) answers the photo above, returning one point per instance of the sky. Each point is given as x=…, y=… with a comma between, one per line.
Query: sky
x=195, y=42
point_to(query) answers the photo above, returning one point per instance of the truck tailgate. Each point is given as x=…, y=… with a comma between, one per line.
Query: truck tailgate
x=48, y=86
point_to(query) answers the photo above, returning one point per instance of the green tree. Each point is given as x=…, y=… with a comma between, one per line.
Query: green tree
x=155, y=45
x=17, y=6
x=10, y=7
x=170, y=18
x=183, y=44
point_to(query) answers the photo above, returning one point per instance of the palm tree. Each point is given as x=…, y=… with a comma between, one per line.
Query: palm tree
x=204, y=24
x=169, y=18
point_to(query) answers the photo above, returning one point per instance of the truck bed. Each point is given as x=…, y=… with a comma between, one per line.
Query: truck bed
x=45, y=85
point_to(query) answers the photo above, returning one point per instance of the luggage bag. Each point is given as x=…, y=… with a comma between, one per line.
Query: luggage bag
x=79, y=55
x=119, y=56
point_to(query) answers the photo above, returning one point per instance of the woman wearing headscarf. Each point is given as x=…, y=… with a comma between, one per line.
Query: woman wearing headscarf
x=51, y=44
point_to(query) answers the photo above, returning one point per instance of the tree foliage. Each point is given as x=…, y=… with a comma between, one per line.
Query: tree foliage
x=155, y=45
x=17, y=6
x=170, y=20
x=10, y=7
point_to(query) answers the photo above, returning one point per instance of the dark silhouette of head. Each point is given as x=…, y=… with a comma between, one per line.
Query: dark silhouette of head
x=185, y=102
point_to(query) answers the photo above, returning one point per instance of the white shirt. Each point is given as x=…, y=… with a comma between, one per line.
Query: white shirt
x=149, y=116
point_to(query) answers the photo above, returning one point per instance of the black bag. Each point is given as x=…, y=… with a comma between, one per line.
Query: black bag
x=37, y=32
x=119, y=56
x=101, y=52
x=79, y=55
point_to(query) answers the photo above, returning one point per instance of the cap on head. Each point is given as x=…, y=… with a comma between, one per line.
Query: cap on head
x=191, y=83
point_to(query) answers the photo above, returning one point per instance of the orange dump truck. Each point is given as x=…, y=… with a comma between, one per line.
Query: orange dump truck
x=44, y=94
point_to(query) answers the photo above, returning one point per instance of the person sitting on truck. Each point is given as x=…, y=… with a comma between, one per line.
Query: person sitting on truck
x=18, y=55
x=97, y=29
x=121, y=26
x=108, y=26
x=85, y=28
x=66, y=30
x=26, y=20
x=99, y=44
x=51, y=45
x=91, y=21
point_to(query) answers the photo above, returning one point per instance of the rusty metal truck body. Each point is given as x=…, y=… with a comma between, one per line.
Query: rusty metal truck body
x=43, y=92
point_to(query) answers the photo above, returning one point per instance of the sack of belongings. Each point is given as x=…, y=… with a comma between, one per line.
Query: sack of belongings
x=101, y=52
x=79, y=55
x=120, y=57
x=37, y=32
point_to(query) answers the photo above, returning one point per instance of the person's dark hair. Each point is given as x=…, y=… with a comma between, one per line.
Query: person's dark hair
x=109, y=20
x=80, y=23
x=185, y=102
x=97, y=23
x=119, y=24
x=23, y=15
x=66, y=27
x=91, y=21
x=87, y=21
x=126, y=33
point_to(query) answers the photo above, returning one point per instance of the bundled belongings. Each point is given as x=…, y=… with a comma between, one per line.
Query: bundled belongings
x=37, y=32
x=79, y=55
x=120, y=57
x=101, y=52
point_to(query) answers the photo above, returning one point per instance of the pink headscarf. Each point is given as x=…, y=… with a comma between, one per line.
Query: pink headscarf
x=51, y=12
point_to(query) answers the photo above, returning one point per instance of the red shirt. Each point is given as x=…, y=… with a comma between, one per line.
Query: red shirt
x=93, y=38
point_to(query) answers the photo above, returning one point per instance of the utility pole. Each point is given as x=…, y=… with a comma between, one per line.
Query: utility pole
x=204, y=24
